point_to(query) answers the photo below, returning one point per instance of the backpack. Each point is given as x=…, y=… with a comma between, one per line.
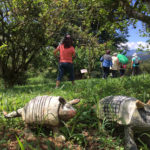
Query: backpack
x=124, y=66
x=136, y=61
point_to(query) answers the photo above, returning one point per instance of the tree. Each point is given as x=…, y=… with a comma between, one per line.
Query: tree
x=87, y=22
x=23, y=32
x=138, y=9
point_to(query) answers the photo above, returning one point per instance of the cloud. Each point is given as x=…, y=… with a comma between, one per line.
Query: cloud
x=135, y=45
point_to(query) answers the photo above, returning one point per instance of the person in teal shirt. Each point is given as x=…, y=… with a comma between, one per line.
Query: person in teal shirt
x=136, y=60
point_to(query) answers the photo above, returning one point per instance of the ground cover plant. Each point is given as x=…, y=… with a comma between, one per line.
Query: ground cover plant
x=84, y=130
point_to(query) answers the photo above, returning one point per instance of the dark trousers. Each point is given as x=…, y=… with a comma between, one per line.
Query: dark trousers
x=122, y=72
x=135, y=70
x=114, y=73
x=66, y=68
x=105, y=72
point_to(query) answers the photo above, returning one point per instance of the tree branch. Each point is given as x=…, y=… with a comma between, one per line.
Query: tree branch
x=132, y=13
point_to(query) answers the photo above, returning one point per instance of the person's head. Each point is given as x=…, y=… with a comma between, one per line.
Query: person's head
x=115, y=54
x=67, y=41
x=107, y=51
x=134, y=55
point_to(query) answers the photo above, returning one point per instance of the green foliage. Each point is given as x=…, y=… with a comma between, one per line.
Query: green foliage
x=144, y=146
x=29, y=32
x=44, y=62
x=24, y=34
x=20, y=144
x=144, y=67
x=29, y=27
x=3, y=50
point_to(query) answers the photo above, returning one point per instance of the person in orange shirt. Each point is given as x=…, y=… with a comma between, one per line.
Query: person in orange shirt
x=66, y=56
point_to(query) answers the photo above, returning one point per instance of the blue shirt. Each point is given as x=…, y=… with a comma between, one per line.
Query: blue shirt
x=106, y=60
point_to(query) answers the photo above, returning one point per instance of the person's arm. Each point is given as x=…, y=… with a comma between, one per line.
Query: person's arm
x=118, y=61
x=102, y=59
x=55, y=52
x=111, y=63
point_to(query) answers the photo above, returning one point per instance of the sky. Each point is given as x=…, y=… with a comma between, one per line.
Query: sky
x=134, y=39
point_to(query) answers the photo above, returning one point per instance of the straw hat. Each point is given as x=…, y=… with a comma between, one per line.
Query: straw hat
x=115, y=54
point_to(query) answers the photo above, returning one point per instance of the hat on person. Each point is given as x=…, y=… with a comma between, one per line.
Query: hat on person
x=115, y=54
x=135, y=54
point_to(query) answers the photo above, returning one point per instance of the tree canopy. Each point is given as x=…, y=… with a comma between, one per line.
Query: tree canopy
x=28, y=27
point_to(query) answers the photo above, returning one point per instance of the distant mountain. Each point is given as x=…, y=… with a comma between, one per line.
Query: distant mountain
x=144, y=55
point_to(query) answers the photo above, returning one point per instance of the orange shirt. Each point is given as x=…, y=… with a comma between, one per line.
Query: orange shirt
x=66, y=53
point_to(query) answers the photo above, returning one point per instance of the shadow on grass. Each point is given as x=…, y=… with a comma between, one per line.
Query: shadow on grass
x=37, y=88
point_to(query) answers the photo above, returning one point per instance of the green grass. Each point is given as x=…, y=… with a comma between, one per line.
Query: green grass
x=89, y=91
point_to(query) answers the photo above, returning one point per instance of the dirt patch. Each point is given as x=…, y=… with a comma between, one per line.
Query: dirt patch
x=44, y=142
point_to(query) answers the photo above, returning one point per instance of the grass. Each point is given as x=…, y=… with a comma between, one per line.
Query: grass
x=83, y=130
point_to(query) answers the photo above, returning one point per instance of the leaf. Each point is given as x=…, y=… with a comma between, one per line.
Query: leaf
x=20, y=144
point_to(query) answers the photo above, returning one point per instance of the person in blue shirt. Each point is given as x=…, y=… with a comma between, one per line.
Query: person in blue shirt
x=135, y=64
x=106, y=60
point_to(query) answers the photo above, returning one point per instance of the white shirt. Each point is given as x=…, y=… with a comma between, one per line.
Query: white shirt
x=115, y=61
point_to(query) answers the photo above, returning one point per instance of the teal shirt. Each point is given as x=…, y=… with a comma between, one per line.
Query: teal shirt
x=133, y=59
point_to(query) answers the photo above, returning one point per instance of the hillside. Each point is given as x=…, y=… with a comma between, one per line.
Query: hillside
x=144, y=55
